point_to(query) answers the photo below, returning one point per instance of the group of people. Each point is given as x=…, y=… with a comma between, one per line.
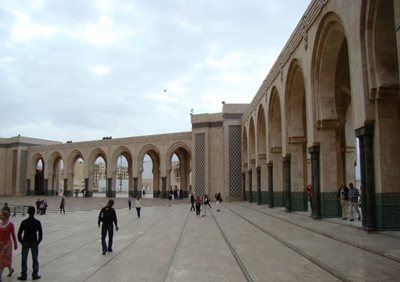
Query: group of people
x=30, y=232
x=29, y=235
x=41, y=206
x=349, y=199
x=177, y=194
x=201, y=204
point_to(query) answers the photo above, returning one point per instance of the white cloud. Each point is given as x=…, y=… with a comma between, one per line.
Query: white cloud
x=103, y=32
x=25, y=29
x=8, y=59
x=100, y=70
x=230, y=60
x=115, y=60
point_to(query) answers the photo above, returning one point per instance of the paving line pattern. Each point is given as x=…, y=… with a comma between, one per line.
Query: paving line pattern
x=370, y=262
x=331, y=236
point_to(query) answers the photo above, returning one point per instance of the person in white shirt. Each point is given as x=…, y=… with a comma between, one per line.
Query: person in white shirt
x=138, y=206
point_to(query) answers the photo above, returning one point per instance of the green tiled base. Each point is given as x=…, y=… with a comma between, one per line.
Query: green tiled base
x=255, y=197
x=299, y=201
x=387, y=211
x=250, y=196
x=110, y=194
x=278, y=199
x=264, y=197
x=330, y=205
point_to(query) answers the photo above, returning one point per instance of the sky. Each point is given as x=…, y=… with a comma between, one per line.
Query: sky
x=83, y=70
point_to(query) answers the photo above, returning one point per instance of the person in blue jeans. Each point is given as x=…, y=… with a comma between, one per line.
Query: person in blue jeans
x=108, y=217
x=30, y=234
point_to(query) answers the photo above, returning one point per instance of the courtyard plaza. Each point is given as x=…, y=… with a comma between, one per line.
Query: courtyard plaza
x=243, y=242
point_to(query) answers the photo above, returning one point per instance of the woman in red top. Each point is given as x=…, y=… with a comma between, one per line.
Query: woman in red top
x=7, y=231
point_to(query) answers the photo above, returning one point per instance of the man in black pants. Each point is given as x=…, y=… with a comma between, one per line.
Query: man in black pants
x=108, y=217
x=30, y=235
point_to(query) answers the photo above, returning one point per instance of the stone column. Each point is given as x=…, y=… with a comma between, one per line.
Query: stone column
x=46, y=187
x=365, y=137
x=65, y=192
x=396, y=9
x=315, y=180
x=163, y=187
x=287, y=183
x=279, y=195
x=244, y=185
x=134, y=193
x=110, y=193
x=270, y=185
x=130, y=185
x=28, y=187
x=88, y=193
x=258, y=185
x=250, y=186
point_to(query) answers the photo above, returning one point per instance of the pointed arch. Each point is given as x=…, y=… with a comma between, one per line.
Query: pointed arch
x=55, y=172
x=252, y=141
x=275, y=122
x=182, y=151
x=330, y=40
x=245, y=148
x=296, y=132
x=155, y=157
x=261, y=133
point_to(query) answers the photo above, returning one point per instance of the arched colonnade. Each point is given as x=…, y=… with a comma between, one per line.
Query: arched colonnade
x=160, y=149
x=334, y=85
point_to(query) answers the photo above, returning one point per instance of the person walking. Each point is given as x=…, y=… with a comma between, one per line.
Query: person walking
x=198, y=205
x=206, y=204
x=343, y=195
x=130, y=201
x=353, y=201
x=192, y=201
x=38, y=205
x=310, y=197
x=30, y=235
x=62, y=205
x=7, y=232
x=108, y=217
x=138, y=206
x=6, y=208
x=218, y=200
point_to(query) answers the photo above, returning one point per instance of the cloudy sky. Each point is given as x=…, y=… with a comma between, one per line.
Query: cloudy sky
x=84, y=69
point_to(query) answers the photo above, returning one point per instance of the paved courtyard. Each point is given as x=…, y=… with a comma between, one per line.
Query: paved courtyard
x=243, y=242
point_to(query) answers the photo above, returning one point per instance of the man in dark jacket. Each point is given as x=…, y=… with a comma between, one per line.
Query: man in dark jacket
x=30, y=235
x=108, y=217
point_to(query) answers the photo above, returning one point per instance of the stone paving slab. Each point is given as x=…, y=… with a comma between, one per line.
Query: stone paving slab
x=170, y=243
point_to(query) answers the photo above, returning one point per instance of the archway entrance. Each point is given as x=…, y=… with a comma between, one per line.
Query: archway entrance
x=122, y=177
x=57, y=178
x=295, y=162
x=39, y=178
x=78, y=187
x=275, y=151
x=100, y=177
x=150, y=175
x=334, y=111
x=179, y=181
